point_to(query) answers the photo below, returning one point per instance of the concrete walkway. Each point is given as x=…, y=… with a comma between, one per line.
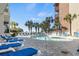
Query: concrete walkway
x=53, y=48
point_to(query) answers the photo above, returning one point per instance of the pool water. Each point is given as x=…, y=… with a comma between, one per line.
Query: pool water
x=45, y=37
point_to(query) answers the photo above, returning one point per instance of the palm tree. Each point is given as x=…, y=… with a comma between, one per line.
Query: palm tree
x=30, y=25
x=45, y=25
x=51, y=19
x=48, y=22
x=13, y=28
x=41, y=26
x=36, y=26
x=13, y=25
x=27, y=24
x=57, y=24
x=69, y=19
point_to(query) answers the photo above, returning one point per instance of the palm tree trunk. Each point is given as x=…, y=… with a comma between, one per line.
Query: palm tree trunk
x=70, y=28
x=31, y=30
x=35, y=29
x=38, y=29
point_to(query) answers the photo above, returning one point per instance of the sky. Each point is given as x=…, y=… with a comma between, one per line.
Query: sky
x=22, y=12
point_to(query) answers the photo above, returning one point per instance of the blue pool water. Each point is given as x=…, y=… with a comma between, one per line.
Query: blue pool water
x=45, y=37
x=41, y=36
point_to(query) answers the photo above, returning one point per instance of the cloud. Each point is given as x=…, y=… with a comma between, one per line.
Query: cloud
x=30, y=6
x=34, y=19
x=41, y=14
x=50, y=14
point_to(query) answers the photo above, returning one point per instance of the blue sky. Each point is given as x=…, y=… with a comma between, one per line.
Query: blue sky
x=22, y=12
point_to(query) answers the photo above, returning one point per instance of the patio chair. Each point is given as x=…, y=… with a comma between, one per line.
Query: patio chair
x=23, y=52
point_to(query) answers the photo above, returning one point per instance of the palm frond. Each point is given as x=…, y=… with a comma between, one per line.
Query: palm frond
x=74, y=16
x=70, y=17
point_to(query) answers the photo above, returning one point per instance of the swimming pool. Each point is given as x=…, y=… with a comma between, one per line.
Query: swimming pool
x=42, y=36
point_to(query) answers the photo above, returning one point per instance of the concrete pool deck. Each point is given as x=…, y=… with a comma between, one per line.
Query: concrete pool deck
x=53, y=48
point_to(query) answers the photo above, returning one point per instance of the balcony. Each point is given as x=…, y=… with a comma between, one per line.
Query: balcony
x=56, y=4
x=6, y=30
x=57, y=9
x=6, y=18
x=6, y=22
x=6, y=9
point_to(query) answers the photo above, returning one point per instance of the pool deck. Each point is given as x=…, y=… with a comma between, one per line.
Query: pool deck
x=53, y=48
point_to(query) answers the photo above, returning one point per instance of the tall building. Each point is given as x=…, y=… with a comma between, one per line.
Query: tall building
x=74, y=9
x=62, y=9
x=4, y=18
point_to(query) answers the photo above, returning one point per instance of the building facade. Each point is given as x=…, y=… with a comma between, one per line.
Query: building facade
x=62, y=9
x=4, y=18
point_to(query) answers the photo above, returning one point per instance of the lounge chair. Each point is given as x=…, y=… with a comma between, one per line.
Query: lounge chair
x=14, y=40
x=23, y=52
x=10, y=39
x=7, y=50
x=10, y=45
